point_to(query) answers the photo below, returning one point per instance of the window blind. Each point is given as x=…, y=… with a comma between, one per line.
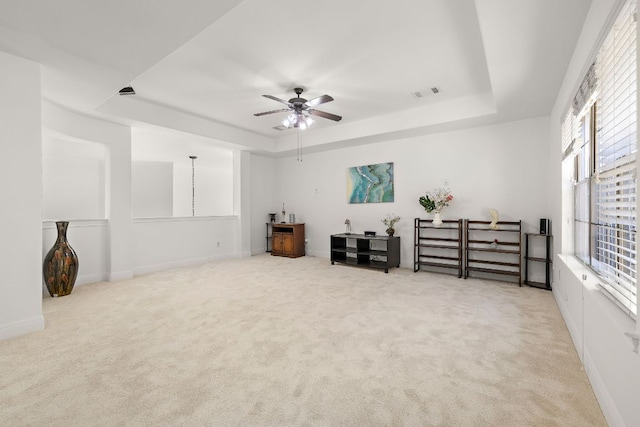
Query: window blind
x=568, y=124
x=614, y=183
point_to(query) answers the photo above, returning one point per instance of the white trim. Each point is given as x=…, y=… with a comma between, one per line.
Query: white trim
x=184, y=219
x=91, y=278
x=21, y=327
x=120, y=275
x=145, y=269
x=73, y=223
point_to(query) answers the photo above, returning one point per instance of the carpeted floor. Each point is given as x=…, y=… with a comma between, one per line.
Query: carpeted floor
x=272, y=341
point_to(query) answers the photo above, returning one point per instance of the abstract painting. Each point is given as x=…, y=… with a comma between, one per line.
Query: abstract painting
x=370, y=183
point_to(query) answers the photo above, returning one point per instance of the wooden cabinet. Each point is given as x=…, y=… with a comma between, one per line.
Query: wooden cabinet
x=494, y=252
x=438, y=248
x=531, y=259
x=287, y=240
x=381, y=252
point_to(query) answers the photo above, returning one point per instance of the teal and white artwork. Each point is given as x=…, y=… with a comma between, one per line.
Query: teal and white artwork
x=370, y=183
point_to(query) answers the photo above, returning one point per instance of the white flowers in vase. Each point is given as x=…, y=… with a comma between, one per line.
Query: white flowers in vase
x=390, y=221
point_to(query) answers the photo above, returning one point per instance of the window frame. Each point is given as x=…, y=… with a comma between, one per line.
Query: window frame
x=605, y=216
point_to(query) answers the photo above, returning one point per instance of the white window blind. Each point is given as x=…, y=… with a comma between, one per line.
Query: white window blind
x=614, y=184
x=568, y=133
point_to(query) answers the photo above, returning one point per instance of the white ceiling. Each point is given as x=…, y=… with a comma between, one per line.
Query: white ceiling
x=201, y=67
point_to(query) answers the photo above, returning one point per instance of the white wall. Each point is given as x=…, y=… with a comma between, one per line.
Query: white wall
x=152, y=189
x=596, y=325
x=213, y=168
x=210, y=193
x=263, y=201
x=21, y=192
x=73, y=179
x=501, y=166
x=162, y=243
x=120, y=246
x=116, y=139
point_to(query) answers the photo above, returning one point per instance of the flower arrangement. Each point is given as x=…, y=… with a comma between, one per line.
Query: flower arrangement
x=436, y=200
x=390, y=221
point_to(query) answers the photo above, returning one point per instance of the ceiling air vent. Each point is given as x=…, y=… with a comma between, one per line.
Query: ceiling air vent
x=280, y=127
x=424, y=93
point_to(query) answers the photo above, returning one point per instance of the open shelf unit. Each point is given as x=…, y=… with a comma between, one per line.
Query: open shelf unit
x=382, y=252
x=438, y=248
x=546, y=260
x=268, y=236
x=494, y=252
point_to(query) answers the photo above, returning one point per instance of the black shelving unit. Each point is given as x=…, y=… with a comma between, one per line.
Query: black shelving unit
x=438, y=248
x=530, y=258
x=381, y=252
x=268, y=236
x=493, y=252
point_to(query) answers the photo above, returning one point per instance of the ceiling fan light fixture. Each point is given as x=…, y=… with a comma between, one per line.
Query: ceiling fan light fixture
x=300, y=110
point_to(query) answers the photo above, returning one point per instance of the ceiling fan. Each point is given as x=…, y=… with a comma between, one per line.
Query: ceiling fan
x=301, y=110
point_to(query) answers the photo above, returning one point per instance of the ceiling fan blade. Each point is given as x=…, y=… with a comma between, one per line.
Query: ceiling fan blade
x=278, y=99
x=322, y=114
x=319, y=100
x=271, y=112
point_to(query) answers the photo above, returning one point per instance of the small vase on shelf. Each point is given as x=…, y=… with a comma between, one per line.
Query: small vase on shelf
x=390, y=231
x=437, y=221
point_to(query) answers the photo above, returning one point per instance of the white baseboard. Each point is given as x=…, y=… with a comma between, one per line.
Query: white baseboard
x=91, y=278
x=145, y=269
x=120, y=275
x=320, y=254
x=21, y=327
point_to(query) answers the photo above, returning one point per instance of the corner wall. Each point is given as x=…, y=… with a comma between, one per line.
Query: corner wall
x=263, y=200
x=501, y=166
x=117, y=139
x=21, y=194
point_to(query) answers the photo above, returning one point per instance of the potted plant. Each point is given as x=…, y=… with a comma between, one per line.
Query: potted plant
x=435, y=201
x=390, y=221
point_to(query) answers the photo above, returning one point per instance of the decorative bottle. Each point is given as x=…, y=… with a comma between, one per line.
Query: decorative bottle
x=60, y=267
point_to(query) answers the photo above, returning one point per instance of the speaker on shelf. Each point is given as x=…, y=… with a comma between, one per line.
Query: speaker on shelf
x=370, y=233
x=545, y=226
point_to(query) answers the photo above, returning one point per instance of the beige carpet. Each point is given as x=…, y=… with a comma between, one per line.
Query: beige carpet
x=273, y=341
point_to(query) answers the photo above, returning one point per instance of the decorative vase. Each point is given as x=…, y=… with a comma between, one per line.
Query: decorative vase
x=60, y=267
x=437, y=221
x=390, y=231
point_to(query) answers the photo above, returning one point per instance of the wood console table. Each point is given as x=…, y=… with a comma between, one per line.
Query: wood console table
x=287, y=240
